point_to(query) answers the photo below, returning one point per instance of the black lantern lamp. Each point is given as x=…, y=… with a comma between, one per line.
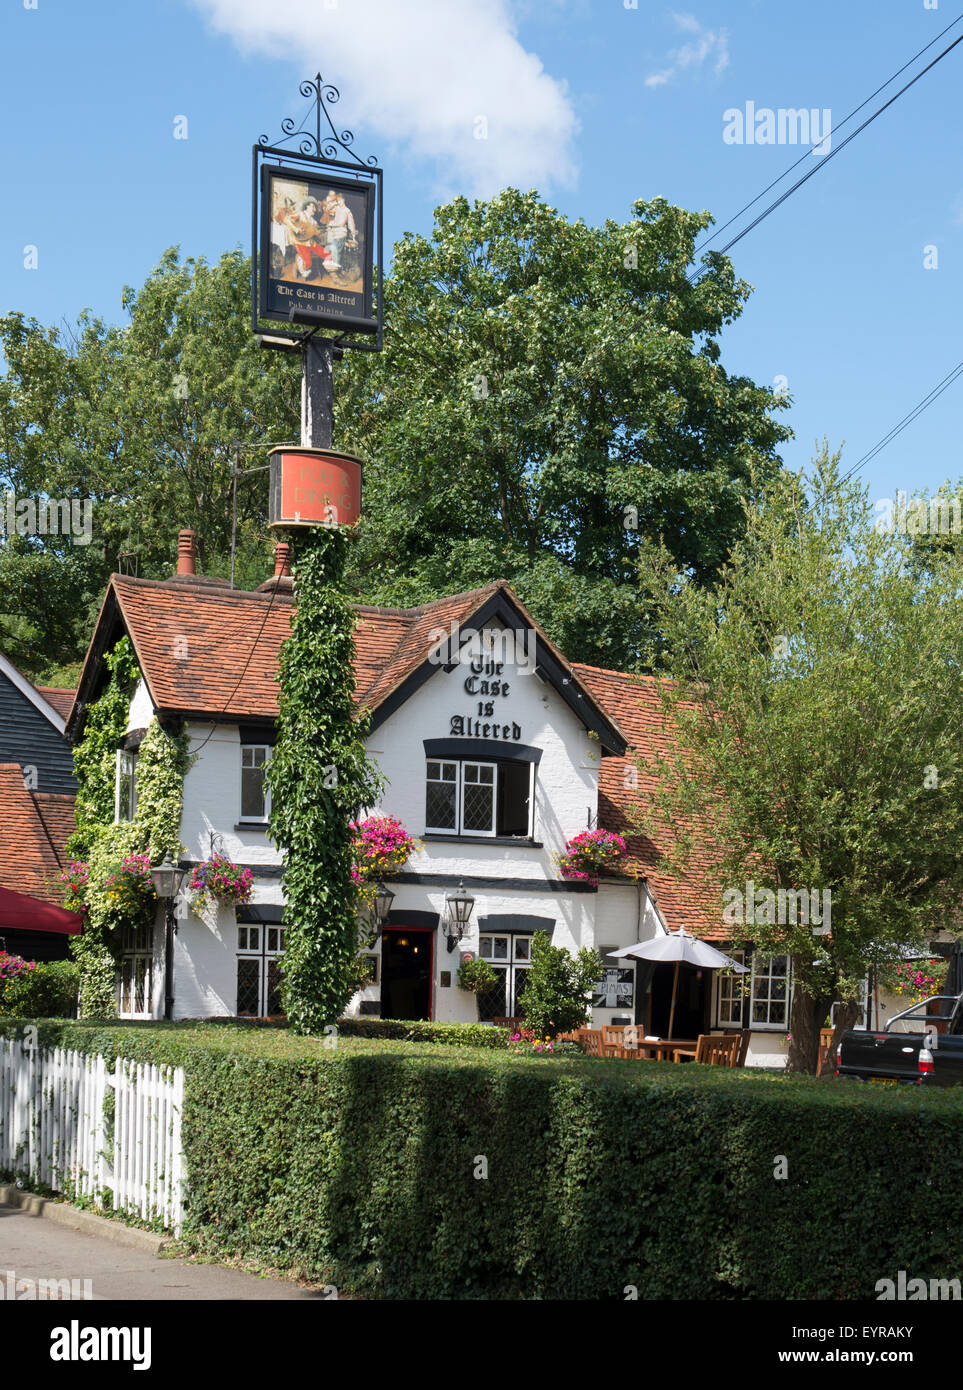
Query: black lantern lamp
x=167, y=879
x=383, y=898
x=458, y=906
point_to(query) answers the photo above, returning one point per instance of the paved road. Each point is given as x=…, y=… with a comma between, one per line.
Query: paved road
x=34, y=1248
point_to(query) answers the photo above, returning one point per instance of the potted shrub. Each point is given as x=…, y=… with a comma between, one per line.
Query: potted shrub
x=475, y=975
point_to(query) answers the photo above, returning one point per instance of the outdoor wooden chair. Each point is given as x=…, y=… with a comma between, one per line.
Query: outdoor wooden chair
x=825, y=1043
x=515, y=1024
x=743, y=1035
x=613, y=1041
x=591, y=1040
x=712, y=1050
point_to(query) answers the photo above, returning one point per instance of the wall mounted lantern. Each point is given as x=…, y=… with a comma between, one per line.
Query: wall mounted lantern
x=458, y=908
x=167, y=879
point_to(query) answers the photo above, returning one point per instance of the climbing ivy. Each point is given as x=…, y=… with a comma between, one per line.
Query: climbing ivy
x=320, y=781
x=162, y=762
x=105, y=724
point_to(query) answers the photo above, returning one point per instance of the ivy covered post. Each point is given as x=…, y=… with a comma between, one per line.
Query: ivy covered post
x=320, y=781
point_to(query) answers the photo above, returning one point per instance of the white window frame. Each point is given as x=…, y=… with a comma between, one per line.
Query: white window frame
x=471, y=762
x=459, y=784
x=125, y=766
x=269, y=949
x=761, y=970
x=443, y=763
x=731, y=986
x=511, y=962
x=247, y=819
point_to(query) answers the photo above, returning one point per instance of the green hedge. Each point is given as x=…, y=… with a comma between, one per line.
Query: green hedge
x=357, y=1165
x=47, y=991
x=413, y=1030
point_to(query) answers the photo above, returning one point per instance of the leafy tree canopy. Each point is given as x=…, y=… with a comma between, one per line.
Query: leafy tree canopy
x=143, y=420
x=817, y=693
x=550, y=393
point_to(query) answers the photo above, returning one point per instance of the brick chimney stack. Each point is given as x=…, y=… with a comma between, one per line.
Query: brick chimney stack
x=186, y=552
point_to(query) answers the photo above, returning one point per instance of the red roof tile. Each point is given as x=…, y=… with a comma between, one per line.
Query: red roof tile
x=633, y=701
x=33, y=829
x=61, y=700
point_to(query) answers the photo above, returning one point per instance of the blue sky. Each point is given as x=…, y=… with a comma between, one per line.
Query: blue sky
x=591, y=102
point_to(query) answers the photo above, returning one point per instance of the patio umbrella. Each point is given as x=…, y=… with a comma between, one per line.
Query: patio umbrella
x=680, y=947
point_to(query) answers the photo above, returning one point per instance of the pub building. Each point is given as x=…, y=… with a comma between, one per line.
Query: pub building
x=495, y=750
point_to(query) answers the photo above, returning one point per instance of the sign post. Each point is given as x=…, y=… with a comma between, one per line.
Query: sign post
x=317, y=233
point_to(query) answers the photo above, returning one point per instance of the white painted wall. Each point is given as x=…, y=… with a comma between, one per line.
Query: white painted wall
x=566, y=783
x=141, y=710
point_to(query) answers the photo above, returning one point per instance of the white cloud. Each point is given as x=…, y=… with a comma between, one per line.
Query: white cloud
x=706, y=44
x=419, y=73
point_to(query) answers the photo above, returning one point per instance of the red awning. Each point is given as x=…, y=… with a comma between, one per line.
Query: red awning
x=20, y=913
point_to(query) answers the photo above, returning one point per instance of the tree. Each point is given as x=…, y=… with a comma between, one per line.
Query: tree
x=815, y=706
x=549, y=394
x=557, y=987
x=143, y=420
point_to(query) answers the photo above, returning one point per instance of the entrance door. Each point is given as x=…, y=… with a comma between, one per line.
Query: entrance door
x=407, y=955
x=690, y=1004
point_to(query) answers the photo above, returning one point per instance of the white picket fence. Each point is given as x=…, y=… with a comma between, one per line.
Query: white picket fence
x=54, y=1130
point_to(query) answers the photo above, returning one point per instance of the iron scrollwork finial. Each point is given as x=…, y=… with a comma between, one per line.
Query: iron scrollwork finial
x=329, y=144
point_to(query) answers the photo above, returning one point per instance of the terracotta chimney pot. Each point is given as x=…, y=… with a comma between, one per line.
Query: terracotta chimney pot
x=186, y=552
x=282, y=560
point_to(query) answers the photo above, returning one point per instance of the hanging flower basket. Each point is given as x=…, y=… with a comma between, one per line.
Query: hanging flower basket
x=590, y=852
x=128, y=891
x=380, y=845
x=218, y=880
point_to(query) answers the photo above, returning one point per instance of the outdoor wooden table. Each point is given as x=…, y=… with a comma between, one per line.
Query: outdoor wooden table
x=662, y=1050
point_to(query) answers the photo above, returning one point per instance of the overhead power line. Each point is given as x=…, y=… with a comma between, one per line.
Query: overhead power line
x=807, y=154
x=914, y=414
x=824, y=160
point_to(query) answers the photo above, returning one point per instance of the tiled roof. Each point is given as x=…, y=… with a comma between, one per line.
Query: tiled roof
x=213, y=652
x=33, y=829
x=195, y=646
x=633, y=701
x=61, y=700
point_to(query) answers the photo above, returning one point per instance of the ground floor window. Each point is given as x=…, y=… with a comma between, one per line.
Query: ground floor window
x=732, y=992
x=769, y=997
x=259, y=949
x=511, y=958
x=136, y=975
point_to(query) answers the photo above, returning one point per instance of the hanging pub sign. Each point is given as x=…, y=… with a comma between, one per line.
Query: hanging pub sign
x=316, y=226
x=313, y=487
x=316, y=249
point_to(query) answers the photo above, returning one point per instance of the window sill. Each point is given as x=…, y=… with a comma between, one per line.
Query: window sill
x=252, y=825
x=522, y=841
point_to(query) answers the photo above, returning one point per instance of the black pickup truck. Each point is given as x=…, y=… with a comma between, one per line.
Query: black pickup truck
x=922, y=1045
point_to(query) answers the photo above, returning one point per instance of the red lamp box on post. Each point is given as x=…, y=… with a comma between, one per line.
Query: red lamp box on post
x=313, y=487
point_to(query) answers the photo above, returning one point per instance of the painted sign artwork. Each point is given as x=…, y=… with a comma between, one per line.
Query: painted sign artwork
x=316, y=249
